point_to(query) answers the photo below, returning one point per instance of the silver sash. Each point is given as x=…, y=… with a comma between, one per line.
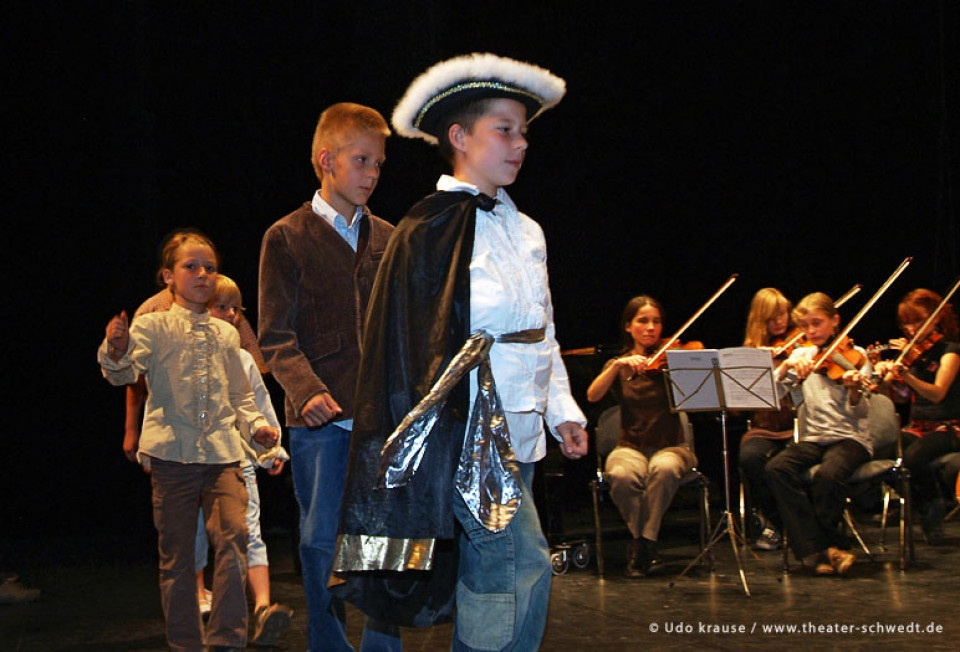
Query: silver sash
x=488, y=477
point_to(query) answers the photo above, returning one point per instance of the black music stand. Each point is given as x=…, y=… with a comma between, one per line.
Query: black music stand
x=739, y=378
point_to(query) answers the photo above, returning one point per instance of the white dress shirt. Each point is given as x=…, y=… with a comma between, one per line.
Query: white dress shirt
x=198, y=392
x=509, y=292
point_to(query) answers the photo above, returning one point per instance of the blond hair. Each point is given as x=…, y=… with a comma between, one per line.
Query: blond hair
x=767, y=303
x=340, y=121
x=816, y=301
x=226, y=290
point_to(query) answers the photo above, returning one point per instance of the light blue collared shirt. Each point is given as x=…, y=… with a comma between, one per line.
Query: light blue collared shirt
x=350, y=233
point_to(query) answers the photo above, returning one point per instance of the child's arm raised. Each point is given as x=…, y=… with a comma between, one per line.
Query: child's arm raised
x=118, y=336
x=116, y=363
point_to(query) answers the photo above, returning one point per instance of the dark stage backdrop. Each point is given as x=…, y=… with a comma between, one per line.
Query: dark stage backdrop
x=804, y=145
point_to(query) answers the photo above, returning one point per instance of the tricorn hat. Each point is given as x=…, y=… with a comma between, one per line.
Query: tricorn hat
x=451, y=83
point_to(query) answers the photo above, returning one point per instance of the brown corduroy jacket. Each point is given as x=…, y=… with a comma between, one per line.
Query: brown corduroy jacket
x=313, y=296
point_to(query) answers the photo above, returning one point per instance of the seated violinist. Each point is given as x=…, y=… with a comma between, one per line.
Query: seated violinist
x=929, y=370
x=768, y=326
x=834, y=435
x=651, y=457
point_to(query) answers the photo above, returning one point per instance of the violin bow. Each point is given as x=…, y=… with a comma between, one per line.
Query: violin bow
x=929, y=320
x=828, y=353
x=836, y=304
x=667, y=343
x=887, y=379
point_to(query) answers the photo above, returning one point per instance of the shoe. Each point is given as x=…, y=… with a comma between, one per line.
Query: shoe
x=769, y=539
x=841, y=560
x=206, y=602
x=931, y=521
x=824, y=567
x=12, y=592
x=635, y=559
x=652, y=563
x=271, y=622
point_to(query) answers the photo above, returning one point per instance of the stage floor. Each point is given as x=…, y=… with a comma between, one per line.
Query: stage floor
x=100, y=593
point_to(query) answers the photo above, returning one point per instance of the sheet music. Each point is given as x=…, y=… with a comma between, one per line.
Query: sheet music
x=692, y=381
x=744, y=376
x=747, y=379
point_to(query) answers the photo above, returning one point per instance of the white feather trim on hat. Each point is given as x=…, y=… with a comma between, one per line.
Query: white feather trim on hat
x=493, y=74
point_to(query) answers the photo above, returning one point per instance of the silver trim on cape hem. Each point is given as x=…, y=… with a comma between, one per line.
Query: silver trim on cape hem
x=362, y=552
x=488, y=477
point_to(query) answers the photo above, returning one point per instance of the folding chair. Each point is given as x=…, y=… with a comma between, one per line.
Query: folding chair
x=607, y=434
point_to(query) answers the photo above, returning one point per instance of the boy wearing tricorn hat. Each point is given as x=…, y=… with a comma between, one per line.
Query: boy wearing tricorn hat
x=458, y=467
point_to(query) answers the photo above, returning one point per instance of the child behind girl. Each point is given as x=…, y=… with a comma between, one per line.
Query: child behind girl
x=270, y=620
x=769, y=325
x=198, y=395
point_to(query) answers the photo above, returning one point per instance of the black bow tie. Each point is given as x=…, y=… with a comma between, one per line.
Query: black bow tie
x=486, y=202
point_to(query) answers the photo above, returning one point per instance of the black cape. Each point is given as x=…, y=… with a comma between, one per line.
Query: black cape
x=417, y=320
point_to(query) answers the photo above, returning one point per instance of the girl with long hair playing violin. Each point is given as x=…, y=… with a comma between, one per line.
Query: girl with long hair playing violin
x=768, y=326
x=651, y=456
x=835, y=434
x=929, y=370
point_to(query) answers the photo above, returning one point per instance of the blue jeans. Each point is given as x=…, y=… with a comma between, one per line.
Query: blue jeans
x=318, y=462
x=505, y=578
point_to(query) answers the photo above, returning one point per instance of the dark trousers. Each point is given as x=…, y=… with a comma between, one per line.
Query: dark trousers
x=811, y=512
x=754, y=455
x=918, y=456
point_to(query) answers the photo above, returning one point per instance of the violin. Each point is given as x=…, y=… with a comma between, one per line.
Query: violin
x=928, y=339
x=920, y=348
x=657, y=363
x=785, y=345
x=914, y=353
x=841, y=358
x=841, y=343
x=875, y=351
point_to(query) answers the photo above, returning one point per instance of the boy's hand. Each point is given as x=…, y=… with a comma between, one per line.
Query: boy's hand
x=118, y=336
x=267, y=436
x=803, y=367
x=575, y=440
x=320, y=409
x=131, y=441
x=276, y=468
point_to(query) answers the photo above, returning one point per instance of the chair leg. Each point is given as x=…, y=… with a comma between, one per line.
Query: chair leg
x=907, y=553
x=705, y=521
x=743, y=512
x=953, y=513
x=856, y=533
x=598, y=529
x=883, y=519
x=786, y=551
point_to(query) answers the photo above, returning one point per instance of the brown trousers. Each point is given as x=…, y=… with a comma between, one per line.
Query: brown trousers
x=178, y=492
x=643, y=488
